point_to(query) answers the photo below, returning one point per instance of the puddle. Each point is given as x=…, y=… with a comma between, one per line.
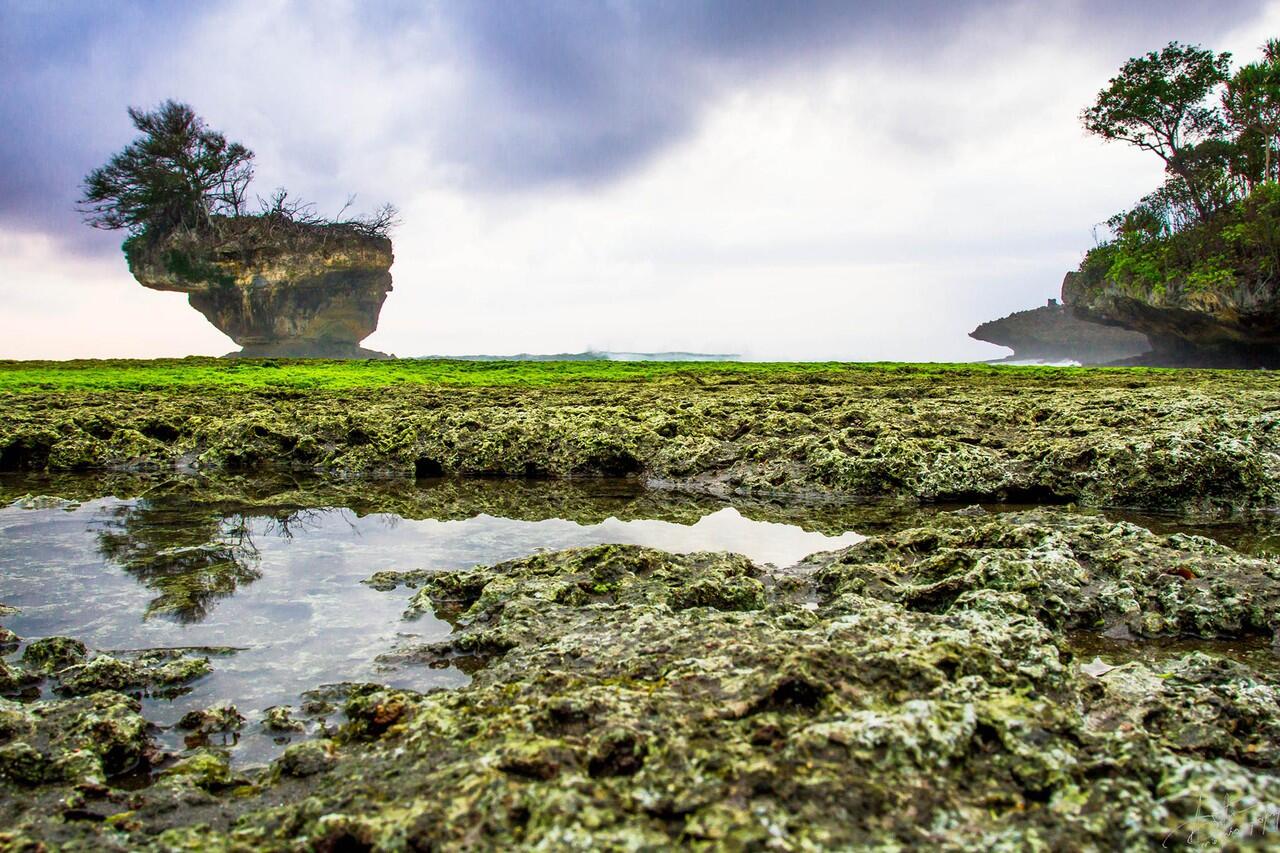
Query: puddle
x=272, y=567
x=282, y=584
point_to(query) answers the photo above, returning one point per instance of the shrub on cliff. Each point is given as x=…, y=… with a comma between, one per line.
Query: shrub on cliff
x=1239, y=244
x=178, y=172
x=179, y=175
x=1215, y=222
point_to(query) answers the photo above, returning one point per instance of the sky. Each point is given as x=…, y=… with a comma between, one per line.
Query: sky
x=803, y=180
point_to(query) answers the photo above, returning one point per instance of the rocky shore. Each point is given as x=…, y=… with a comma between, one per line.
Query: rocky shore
x=1053, y=333
x=919, y=688
x=1048, y=678
x=1190, y=441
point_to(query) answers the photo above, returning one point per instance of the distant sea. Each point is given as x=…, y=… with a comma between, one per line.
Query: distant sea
x=592, y=355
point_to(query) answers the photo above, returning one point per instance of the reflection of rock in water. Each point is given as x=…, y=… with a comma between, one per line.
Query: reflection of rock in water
x=190, y=557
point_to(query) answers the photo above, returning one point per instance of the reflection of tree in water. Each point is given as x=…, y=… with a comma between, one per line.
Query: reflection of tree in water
x=190, y=556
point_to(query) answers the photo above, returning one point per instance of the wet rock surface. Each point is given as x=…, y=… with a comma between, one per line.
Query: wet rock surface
x=1070, y=572
x=1192, y=441
x=917, y=689
x=68, y=668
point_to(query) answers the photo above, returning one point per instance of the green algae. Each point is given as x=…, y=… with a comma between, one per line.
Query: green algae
x=280, y=719
x=1197, y=440
x=51, y=654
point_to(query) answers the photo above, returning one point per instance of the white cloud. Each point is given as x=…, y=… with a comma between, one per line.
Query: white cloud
x=864, y=207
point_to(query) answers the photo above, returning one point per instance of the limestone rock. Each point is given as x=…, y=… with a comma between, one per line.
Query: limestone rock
x=1053, y=333
x=1237, y=327
x=310, y=292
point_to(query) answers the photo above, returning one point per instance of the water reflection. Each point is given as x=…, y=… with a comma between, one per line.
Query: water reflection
x=188, y=558
x=273, y=567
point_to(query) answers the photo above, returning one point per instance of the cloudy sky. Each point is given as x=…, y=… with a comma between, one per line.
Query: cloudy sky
x=784, y=180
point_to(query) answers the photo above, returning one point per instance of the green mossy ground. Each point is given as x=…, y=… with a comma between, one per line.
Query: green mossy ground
x=921, y=689
x=1194, y=440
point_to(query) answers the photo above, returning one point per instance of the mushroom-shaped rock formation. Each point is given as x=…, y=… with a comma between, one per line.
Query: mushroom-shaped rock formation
x=278, y=289
x=1051, y=333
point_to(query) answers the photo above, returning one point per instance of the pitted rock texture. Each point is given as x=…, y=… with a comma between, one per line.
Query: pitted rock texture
x=630, y=699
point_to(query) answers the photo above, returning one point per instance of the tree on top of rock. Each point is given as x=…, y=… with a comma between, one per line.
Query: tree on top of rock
x=179, y=172
x=1159, y=102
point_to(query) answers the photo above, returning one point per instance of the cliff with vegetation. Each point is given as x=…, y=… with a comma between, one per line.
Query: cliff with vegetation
x=1194, y=264
x=1206, y=295
x=1053, y=333
x=275, y=287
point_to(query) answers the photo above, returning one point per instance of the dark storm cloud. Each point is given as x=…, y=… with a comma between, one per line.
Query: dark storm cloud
x=551, y=92
x=66, y=67
x=586, y=92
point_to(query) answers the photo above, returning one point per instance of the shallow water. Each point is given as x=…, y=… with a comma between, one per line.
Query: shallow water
x=282, y=586
x=273, y=568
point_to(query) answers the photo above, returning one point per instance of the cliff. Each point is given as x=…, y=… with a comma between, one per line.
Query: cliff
x=1237, y=325
x=278, y=289
x=1207, y=292
x=1052, y=333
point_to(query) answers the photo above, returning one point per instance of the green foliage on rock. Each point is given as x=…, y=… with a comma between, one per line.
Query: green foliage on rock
x=1238, y=246
x=1214, y=225
x=177, y=173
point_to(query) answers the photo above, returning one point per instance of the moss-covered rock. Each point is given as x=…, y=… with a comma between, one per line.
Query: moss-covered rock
x=306, y=759
x=606, y=575
x=205, y=768
x=220, y=718
x=15, y=679
x=87, y=739
x=1185, y=441
x=160, y=672
x=279, y=719
x=916, y=691
x=53, y=653
x=1069, y=571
